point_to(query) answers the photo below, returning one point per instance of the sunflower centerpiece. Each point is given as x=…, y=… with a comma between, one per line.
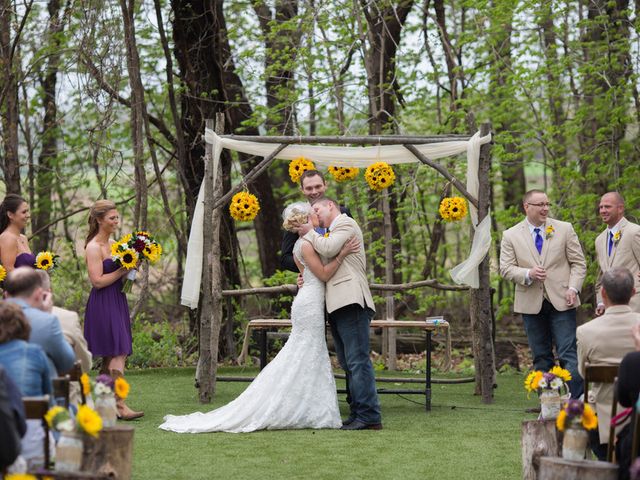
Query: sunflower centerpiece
x=70, y=445
x=575, y=418
x=550, y=387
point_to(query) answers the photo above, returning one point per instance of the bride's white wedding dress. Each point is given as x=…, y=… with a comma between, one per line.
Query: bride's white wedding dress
x=295, y=390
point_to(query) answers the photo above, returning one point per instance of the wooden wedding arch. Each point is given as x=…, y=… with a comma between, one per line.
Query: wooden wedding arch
x=215, y=200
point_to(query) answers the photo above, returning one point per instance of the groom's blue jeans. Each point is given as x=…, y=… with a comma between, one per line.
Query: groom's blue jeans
x=551, y=327
x=350, y=330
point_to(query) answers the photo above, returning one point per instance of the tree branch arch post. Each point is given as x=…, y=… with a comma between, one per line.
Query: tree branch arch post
x=480, y=304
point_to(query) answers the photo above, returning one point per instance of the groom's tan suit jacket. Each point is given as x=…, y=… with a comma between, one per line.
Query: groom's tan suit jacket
x=626, y=253
x=605, y=340
x=349, y=284
x=561, y=256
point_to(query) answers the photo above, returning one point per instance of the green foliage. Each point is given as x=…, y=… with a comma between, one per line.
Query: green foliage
x=156, y=344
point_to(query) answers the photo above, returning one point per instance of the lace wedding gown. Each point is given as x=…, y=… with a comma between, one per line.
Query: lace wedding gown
x=295, y=390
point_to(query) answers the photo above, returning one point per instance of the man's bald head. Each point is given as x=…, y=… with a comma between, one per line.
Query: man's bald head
x=23, y=281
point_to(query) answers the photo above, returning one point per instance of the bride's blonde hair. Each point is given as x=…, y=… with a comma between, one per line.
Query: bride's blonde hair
x=295, y=214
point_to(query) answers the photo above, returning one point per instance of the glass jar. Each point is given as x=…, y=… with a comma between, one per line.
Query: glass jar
x=69, y=452
x=550, y=404
x=574, y=443
x=105, y=405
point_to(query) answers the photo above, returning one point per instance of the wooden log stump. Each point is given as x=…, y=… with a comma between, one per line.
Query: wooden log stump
x=111, y=453
x=539, y=439
x=553, y=468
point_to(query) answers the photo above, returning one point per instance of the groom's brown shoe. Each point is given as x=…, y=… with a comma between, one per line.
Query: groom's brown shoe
x=358, y=425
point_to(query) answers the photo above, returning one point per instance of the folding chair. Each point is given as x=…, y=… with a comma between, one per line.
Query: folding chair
x=61, y=389
x=603, y=374
x=36, y=408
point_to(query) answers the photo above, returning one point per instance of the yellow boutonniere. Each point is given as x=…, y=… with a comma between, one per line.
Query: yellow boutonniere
x=549, y=231
x=616, y=237
x=326, y=234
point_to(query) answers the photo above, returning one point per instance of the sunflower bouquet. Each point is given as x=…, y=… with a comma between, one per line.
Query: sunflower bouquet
x=86, y=420
x=130, y=250
x=46, y=260
x=3, y=273
x=576, y=414
x=554, y=379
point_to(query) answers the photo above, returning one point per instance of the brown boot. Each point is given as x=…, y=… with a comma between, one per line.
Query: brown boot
x=124, y=412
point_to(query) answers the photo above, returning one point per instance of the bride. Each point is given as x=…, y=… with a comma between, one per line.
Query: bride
x=296, y=389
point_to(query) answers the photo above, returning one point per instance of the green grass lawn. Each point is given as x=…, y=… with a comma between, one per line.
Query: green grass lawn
x=460, y=438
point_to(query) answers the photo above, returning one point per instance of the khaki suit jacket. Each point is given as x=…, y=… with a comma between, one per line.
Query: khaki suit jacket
x=561, y=256
x=605, y=340
x=626, y=253
x=349, y=284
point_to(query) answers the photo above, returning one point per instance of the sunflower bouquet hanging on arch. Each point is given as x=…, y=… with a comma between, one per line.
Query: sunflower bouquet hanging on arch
x=244, y=206
x=379, y=176
x=298, y=166
x=453, y=209
x=343, y=174
x=130, y=250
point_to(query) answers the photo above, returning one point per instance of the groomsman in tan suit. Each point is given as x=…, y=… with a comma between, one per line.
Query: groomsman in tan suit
x=617, y=246
x=543, y=257
x=351, y=308
x=605, y=340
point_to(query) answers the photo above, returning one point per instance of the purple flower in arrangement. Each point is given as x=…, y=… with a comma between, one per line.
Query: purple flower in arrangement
x=105, y=380
x=575, y=408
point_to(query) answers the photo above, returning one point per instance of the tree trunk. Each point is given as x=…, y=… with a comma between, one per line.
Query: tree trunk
x=9, y=99
x=110, y=453
x=50, y=133
x=561, y=469
x=480, y=304
x=539, y=439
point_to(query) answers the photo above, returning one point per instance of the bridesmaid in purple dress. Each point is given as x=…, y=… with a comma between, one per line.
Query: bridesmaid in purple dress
x=14, y=247
x=107, y=325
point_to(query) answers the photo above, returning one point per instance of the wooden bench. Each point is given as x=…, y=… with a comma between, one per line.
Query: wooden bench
x=429, y=325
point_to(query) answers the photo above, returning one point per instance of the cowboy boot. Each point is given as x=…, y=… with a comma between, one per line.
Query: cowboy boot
x=124, y=412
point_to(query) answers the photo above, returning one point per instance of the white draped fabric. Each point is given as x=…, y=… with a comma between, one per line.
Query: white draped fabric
x=324, y=156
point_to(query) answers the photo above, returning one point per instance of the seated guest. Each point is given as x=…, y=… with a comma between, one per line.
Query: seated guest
x=27, y=365
x=605, y=340
x=24, y=286
x=628, y=391
x=70, y=323
x=12, y=421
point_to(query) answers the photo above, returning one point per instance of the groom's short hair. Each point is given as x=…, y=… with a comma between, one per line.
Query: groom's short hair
x=325, y=200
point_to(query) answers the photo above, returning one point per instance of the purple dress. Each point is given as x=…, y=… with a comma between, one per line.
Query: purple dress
x=107, y=326
x=25, y=259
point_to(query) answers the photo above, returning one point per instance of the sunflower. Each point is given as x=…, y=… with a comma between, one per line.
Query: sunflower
x=244, y=206
x=126, y=239
x=379, y=176
x=45, y=261
x=85, y=382
x=121, y=388
x=52, y=413
x=116, y=248
x=129, y=258
x=152, y=252
x=342, y=174
x=88, y=420
x=560, y=420
x=20, y=476
x=560, y=372
x=298, y=166
x=589, y=419
x=531, y=384
x=3, y=273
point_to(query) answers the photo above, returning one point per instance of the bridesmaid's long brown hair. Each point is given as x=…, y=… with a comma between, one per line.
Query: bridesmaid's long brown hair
x=98, y=211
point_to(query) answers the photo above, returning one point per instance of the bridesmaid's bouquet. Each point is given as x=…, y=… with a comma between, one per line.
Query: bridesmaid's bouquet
x=46, y=260
x=131, y=250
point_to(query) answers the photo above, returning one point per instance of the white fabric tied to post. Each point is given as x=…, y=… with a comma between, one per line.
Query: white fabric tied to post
x=361, y=157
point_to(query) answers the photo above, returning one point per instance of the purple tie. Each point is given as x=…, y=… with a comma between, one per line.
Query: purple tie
x=610, y=242
x=538, y=240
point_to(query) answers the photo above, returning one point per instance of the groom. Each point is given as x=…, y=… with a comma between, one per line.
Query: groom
x=350, y=307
